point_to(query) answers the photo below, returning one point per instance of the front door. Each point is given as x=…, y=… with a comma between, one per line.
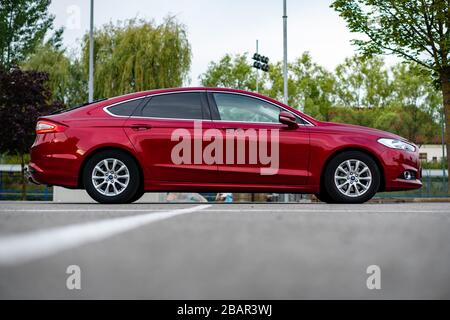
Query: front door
x=264, y=151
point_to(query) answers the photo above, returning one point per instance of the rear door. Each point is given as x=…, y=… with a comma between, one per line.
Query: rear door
x=167, y=133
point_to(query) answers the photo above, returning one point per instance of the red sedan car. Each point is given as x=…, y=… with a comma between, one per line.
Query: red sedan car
x=215, y=139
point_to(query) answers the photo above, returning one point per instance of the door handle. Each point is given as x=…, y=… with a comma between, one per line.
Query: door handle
x=140, y=127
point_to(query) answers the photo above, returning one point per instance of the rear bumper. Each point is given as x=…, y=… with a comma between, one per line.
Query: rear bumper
x=54, y=160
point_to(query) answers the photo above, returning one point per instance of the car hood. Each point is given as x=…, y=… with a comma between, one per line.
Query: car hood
x=361, y=130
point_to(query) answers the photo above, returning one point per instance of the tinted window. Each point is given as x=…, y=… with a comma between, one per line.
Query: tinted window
x=177, y=105
x=234, y=107
x=126, y=108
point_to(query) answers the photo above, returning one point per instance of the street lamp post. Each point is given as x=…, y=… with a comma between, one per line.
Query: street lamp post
x=257, y=70
x=285, y=67
x=91, y=55
x=260, y=63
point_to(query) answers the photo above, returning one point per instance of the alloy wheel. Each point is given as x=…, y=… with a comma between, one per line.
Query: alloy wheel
x=353, y=178
x=110, y=177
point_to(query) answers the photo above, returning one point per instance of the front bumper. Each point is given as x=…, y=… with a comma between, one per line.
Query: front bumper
x=395, y=164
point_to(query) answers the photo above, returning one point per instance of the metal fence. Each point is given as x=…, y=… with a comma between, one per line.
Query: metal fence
x=435, y=185
x=11, y=188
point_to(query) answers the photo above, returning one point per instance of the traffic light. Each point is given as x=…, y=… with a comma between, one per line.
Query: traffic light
x=261, y=62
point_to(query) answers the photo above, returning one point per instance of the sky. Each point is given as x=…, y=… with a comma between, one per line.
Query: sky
x=217, y=27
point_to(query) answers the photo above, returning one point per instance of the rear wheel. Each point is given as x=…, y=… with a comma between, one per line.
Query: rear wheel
x=112, y=176
x=351, y=177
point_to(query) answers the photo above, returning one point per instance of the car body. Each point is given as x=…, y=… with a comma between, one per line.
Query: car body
x=141, y=126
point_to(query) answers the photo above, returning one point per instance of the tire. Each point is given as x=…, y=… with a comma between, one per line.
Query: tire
x=112, y=176
x=138, y=195
x=351, y=177
x=324, y=197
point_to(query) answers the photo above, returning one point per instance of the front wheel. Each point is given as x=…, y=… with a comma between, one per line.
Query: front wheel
x=351, y=177
x=112, y=176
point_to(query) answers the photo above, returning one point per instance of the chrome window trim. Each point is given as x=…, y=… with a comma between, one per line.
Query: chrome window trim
x=152, y=95
x=213, y=91
x=120, y=102
x=250, y=96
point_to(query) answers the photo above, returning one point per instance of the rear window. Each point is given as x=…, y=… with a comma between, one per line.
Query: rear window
x=125, y=108
x=63, y=110
x=186, y=105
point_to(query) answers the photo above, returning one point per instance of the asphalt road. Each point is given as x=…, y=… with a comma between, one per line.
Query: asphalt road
x=224, y=251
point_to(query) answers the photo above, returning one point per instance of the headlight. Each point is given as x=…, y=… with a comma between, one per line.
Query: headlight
x=397, y=144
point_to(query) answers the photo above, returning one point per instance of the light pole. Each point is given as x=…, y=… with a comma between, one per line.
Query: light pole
x=260, y=63
x=285, y=67
x=91, y=55
x=257, y=70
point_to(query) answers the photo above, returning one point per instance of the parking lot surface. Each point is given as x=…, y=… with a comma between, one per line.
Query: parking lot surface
x=224, y=251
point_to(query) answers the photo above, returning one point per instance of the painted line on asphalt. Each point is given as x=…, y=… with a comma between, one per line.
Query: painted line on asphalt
x=224, y=210
x=21, y=248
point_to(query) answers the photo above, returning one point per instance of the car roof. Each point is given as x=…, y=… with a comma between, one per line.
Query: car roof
x=139, y=94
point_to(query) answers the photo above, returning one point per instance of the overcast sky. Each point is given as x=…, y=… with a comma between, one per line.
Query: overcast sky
x=216, y=27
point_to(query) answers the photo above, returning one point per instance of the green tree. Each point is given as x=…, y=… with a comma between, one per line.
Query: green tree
x=362, y=82
x=417, y=31
x=25, y=96
x=138, y=55
x=231, y=72
x=417, y=101
x=23, y=24
x=311, y=87
x=67, y=82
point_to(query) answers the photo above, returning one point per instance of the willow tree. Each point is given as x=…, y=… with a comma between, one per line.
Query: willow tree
x=417, y=31
x=138, y=55
x=67, y=82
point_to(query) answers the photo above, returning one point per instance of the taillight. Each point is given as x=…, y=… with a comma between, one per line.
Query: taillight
x=48, y=127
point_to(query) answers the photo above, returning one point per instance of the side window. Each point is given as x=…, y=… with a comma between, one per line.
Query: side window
x=186, y=105
x=234, y=107
x=126, y=108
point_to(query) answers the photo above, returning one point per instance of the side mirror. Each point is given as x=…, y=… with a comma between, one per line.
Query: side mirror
x=287, y=118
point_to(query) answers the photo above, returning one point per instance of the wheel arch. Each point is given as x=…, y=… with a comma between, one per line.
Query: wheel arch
x=108, y=148
x=365, y=151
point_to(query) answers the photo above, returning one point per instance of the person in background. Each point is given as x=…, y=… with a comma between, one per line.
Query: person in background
x=224, y=197
x=185, y=197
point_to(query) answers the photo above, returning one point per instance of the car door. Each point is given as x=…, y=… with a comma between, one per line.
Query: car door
x=275, y=154
x=167, y=133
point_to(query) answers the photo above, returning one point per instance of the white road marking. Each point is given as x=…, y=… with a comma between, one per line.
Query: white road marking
x=21, y=248
x=224, y=210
